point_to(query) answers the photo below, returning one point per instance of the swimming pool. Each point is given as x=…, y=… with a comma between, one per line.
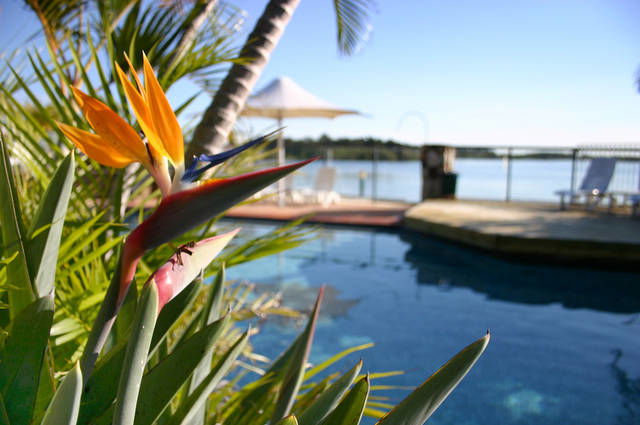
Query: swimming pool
x=565, y=343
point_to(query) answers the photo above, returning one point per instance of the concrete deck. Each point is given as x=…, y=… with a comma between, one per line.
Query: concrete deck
x=532, y=230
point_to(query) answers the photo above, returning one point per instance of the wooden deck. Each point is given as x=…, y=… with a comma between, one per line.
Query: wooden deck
x=352, y=212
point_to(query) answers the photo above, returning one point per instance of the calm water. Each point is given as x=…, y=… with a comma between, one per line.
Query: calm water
x=565, y=343
x=532, y=180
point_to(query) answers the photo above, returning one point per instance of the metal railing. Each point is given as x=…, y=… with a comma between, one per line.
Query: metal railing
x=509, y=173
x=626, y=176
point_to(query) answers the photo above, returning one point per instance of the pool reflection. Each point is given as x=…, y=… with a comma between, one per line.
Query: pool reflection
x=441, y=263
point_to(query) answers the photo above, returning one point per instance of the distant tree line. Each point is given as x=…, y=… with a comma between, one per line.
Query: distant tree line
x=362, y=148
x=488, y=153
x=356, y=149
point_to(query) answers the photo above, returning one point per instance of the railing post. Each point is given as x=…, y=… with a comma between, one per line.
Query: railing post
x=374, y=173
x=509, y=154
x=574, y=160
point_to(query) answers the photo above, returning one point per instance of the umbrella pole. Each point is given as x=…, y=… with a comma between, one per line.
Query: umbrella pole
x=281, y=160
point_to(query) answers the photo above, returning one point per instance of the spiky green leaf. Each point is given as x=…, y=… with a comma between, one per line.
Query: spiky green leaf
x=350, y=409
x=136, y=357
x=46, y=227
x=210, y=313
x=193, y=407
x=329, y=398
x=418, y=406
x=22, y=357
x=14, y=237
x=100, y=389
x=161, y=384
x=66, y=402
x=294, y=369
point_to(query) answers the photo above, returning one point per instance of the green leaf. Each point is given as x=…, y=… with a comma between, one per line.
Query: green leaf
x=66, y=402
x=374, y=413
x=421, y=403
x=102, y=323
x=350, y=409
x=100, y=389
x=213, y=308
x=295, y=365
x=254, y=403
x=329, y=399
x=352, y=23
x=314, y=391
x=331, y=360
x=77, y=240
x=126, y=315
x=136, y=357
x=22, y=357
x=289, y=420
x=46, y=228
x=4, y=416
x=46, y=386
x=158, y=386
x=193, y=407
x=257, y=403
x=21, y=290
x=210, y=313
x=161, y=384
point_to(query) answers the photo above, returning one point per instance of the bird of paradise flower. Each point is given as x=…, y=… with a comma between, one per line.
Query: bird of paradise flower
x=186, y=202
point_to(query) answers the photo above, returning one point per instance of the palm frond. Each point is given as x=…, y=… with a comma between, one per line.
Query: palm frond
x=353, y=26
x=56, y=16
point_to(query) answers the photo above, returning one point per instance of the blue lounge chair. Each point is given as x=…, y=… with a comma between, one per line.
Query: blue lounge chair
x=594, y=184
x=629, y=197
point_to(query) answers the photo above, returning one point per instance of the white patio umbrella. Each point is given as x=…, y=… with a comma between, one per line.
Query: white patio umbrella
x=283, y=98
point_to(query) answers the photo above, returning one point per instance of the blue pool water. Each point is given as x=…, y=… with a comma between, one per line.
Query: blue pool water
x=565, y=345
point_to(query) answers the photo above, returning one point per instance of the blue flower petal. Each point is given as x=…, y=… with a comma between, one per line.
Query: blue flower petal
x=192, y=172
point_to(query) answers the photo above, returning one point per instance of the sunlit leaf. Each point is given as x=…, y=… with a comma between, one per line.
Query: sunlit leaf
x=65, y=404
x=329, y=398
x=418, y=406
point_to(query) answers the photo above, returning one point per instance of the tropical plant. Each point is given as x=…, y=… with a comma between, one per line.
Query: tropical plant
x=36, y=91
x=165, y=351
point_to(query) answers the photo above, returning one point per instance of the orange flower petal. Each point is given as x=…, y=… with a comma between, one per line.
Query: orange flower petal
x=111, y=128
x=143, y=115
x=95, y=147
x=164, y=120
x=135, y=74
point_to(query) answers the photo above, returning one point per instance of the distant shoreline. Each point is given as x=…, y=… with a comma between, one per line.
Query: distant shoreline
x=387, y=150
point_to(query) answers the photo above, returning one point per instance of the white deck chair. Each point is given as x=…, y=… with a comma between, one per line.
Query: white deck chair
x=594, y=184
x=322, y=192
x=291, y=196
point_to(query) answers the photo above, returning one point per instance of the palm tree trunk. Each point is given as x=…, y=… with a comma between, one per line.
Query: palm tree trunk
x=211, y=133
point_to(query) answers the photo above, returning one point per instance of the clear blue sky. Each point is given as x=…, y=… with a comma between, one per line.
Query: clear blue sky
x=550, y=72
x=481, y=72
